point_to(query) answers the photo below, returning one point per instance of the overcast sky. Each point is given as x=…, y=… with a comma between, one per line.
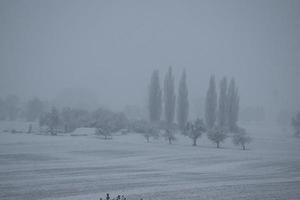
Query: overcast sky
x=110, y=47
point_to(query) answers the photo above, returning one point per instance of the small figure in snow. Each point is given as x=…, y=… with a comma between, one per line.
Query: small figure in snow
x=107, y=196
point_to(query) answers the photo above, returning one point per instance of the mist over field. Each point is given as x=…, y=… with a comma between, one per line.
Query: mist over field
x=149, y=99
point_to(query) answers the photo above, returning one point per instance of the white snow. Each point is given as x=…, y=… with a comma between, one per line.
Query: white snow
x=83, y=132
x=63, y=167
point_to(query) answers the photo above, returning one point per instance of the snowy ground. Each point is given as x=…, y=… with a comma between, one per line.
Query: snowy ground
x=86, y=167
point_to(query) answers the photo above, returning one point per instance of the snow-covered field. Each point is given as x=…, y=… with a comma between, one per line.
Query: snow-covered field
x=68, y=167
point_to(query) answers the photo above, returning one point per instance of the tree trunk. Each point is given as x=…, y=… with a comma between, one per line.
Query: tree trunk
x=147, y=137
x=244, y=148
x=218, y=144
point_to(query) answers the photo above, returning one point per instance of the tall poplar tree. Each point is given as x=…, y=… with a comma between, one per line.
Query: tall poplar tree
x=211, y=104
x=154, y=100
x=169, y=104
x=233, y=106
x=222, y=111
x=169, y=97
x=182, y=102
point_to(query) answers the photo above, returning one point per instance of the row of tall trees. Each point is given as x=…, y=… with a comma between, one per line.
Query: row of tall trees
x=222, y=113
x=168, y=99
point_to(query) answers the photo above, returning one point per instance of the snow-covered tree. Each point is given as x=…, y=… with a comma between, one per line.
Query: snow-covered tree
x=240, y=138
x=108, y=120
x=54, y=121
x=104, y=131
x=155, y=95
x=195, y=130
x=67, y=119
x=217, y=135
x=233, y=106
x=119, y=121
x=182, y=102
x=169, y=135
x=222, y=111
x=211, y=104
x=34, y=108
x=296, y=124
x=73, y=118
x=169, y=104
x=148, y=130
x=51, y=120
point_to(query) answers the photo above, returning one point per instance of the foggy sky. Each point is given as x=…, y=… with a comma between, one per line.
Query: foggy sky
x=111, y=47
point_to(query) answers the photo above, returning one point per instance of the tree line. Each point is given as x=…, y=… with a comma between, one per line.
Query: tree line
x=68, y=119
x=12, y=108
x=168, y=113
x=221, y=114
x=65, y=120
